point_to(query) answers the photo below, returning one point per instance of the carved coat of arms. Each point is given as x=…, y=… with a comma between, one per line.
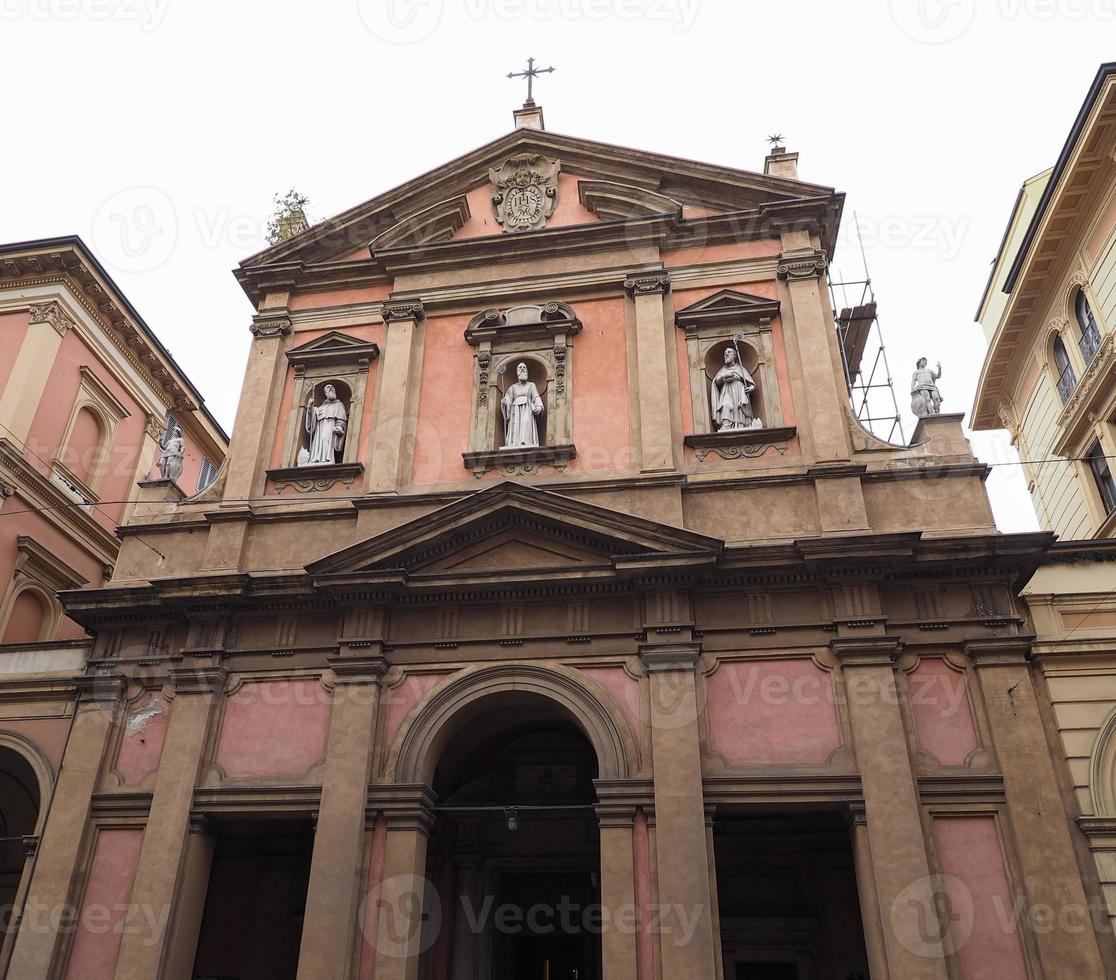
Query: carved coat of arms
x=524, y=191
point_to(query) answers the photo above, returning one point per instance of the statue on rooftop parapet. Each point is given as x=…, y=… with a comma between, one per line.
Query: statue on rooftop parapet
x=925, y=397
x=170, y=462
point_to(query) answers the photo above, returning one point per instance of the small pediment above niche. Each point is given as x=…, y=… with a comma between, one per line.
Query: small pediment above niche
x=523, y=323
x=431, y=226
x=611, y=201
x=726, y=308
x=333, y=348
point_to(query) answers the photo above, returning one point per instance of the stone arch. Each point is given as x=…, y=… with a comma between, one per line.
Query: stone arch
x=30, y=753
x=52, y=613
x=416, y=752
x=1102, y=770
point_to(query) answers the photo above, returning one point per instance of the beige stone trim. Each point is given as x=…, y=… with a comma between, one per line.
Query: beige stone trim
x=26, y=385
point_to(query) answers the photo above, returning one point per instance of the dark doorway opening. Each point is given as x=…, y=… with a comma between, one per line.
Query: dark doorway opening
x=515, y=849
x=19, y=814
x=252, y=925
x=786, y=888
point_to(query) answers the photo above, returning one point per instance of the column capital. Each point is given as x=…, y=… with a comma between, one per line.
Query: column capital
x=358, y=670
x=999, y=651
x=405, y=806
x=274, y=324
x=800, y=264
x=100, y=688
x=397, y=310
x=663, y=657
x=52, y=312
x=866, y=651
x=198, y=680
x=644, y=283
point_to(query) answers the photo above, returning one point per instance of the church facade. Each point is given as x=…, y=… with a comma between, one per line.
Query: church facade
x=553, y=617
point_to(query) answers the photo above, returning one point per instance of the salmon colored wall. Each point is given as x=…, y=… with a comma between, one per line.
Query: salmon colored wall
x=980, y=899
x=97, y=937
x=259, y=718
x=404, y=696
x=85, y=439
x=141, y=745
x=370, y=907
x=341, y=297
x=569, y=210
x=49, y=735
x=943, y=717
x=49, y=424
x=773, y=712
x=445, y=401
x=599, y=382
x=13, y=328
x=372, y=333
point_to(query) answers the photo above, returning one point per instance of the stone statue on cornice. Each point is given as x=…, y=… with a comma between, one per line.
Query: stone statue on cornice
x=170, y=462
x=925, y=397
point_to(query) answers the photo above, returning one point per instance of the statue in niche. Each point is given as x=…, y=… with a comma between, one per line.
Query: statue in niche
x=731, y=393
x=325, y=424
x=170, y=462
x=925, y=397
x=521, y=406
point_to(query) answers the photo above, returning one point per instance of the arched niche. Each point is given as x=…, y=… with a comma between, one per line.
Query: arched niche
x=538, y=371
x=750, y=358
x=318, y=391
x=448, y=709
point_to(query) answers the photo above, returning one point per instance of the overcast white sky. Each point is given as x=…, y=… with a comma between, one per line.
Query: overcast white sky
x=159, y=130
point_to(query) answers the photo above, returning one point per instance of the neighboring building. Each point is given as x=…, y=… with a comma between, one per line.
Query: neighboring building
x=404, y=695
x=87, y=393
x=1050, y=378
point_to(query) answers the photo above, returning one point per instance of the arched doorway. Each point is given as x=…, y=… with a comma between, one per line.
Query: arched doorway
x=515, y=849
x=20, y=805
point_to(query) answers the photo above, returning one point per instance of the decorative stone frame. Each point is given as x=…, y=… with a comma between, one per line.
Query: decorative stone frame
x=336, y=357
x=92, y=395
x=541, y=336
x=37, y=570
x=712, y=322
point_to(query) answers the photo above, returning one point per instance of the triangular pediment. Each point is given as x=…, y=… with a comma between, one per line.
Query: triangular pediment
x=333, y=347
x=511, y=532
x=728, y=304
x=619, y=182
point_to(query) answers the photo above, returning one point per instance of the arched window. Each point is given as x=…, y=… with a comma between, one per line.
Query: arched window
x=1087, y=323
x=83, y=451
x=1067, y=379
x=27, y=619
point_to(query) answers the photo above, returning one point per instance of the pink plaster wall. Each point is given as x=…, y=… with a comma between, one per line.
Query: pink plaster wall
x=341, y=297
x=768, y=712
x=141, y=744
x=980, y=899
x=622, y=686
x=370, y=907
x=697, y=254
x=274, y=728
x=600, y=388
x=943, y=716
x=13, y=328
x=49, y=424
x=404, y=696
x=97, y=938
x=445, y=401
x=48, y=735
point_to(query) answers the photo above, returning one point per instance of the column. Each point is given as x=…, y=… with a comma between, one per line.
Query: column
x=463, y=955
x=802, y=268
x=38, y=944
x=681, y=850
x=874, y=943
x=656, y=395
x=182, y=947
x=616, y=816
x=253, y=430
x=1040, y=831
x=905, y=892
x=402, y=891
x=158, y=881
x=31, y=845
x=393, y=425
x=337, y=867
x=715, y=900
x=26, y=384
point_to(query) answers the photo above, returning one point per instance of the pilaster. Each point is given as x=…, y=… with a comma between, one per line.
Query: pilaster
x=647, y=290
x=901, y=879
x=396, y=406
x=158, y=882
x=26, y=384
